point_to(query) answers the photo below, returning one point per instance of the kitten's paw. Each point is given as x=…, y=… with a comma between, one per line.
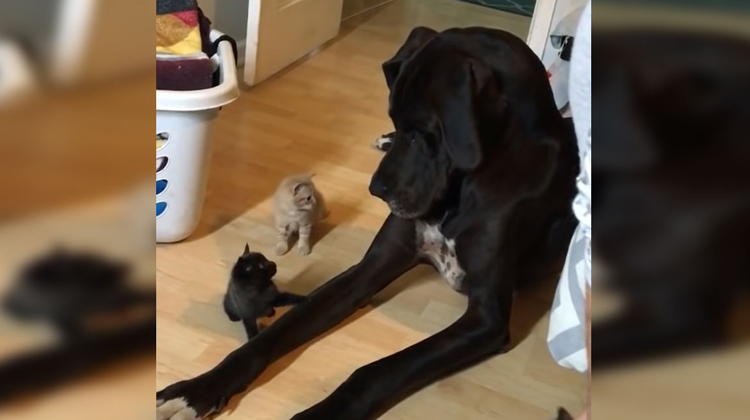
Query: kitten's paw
x=282, y=248
x=303, y=249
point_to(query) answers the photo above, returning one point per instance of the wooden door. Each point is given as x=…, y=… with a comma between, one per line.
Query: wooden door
x=280, y=32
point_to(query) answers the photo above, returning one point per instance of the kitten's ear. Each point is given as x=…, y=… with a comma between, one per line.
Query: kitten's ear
x=247, y=250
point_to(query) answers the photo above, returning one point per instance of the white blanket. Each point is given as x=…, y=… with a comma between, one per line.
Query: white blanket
x=567, y=332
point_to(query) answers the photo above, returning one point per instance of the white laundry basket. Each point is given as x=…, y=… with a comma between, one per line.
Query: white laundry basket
x=183, y=121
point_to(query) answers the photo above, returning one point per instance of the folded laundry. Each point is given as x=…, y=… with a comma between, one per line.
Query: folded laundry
x=178, y=33
x=184, y=72
x=182, y=39
x=170, y=6
x=178, y=57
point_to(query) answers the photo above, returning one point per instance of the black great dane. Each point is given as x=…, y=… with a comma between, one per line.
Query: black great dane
x=479, y=179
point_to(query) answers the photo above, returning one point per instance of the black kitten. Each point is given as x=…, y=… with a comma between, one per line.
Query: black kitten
x=252, y=293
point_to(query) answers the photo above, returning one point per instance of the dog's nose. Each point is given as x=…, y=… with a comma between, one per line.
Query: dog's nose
x=378, y=188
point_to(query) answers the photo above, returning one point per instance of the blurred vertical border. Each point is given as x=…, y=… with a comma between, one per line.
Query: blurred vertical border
x=671, y=174
x=76, y=108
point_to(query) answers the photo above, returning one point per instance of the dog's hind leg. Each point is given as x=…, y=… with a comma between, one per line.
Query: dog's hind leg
x=392, y=253
x=663, y=320
x=546, y=256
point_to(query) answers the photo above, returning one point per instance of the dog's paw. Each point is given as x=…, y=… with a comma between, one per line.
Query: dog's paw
x=175, y=409
x=188, y=400
x=383, y=143
x=303, y=249
x=282, y=248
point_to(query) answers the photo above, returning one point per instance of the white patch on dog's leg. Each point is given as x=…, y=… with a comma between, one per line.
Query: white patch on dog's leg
x=383, y=143
x=166, y=410
x=159, y=402
x=186, y=414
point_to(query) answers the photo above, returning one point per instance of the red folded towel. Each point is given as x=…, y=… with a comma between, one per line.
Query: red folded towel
x=188, y=73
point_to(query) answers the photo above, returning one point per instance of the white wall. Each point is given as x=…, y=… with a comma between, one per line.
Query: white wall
x=562, y=9
x=208, y=7
x=230, y=17
x=547, y=13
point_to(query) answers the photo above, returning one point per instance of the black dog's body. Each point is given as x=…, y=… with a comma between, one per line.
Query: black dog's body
x=481, y=174
x=252, y=294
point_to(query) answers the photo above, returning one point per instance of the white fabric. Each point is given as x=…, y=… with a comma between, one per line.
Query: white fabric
x=566, y=338
x=559, y=69
x=580, y=104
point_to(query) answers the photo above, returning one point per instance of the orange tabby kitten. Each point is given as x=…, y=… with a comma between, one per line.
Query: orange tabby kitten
x=297, y=206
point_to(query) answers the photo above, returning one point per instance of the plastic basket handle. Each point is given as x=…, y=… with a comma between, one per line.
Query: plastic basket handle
x=215, y=46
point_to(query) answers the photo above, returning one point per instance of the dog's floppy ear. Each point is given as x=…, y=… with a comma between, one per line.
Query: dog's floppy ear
x=458, y=113
x=417, y=38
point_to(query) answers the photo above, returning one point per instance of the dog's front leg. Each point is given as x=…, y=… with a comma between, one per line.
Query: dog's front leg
x=371, y=390
x=392, y=253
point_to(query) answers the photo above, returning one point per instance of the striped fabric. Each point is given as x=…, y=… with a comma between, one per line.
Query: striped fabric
x=567, y=331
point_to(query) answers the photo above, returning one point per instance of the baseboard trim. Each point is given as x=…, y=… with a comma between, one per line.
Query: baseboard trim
x=364, y=10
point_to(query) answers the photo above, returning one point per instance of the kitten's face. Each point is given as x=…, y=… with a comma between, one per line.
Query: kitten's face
x=254, y=267
x=303, y=196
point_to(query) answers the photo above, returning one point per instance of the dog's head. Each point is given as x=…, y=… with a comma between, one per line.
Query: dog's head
x=445, y=104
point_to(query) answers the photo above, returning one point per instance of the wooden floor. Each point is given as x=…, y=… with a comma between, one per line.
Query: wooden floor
x=321, y=115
